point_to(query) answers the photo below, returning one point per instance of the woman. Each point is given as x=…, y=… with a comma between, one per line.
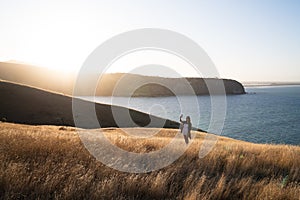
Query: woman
x=186, y=127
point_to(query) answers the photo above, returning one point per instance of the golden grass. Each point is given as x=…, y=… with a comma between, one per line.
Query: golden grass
x=50, y=162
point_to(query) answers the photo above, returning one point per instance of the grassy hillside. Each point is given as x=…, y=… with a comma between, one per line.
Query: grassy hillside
x=50, y=162
x=27, y=105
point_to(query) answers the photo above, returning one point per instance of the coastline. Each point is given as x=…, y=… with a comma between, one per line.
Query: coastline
x=247, y=85
x=51, y=162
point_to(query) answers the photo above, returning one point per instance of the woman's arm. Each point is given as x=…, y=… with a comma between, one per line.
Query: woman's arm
x=180, y=118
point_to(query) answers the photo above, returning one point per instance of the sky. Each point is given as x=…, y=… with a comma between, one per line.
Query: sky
x=249, y=40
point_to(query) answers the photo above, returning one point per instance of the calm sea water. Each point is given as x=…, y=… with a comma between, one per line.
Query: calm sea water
x=263, y=115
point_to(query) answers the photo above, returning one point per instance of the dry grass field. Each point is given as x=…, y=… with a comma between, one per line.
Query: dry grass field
x=50, y=162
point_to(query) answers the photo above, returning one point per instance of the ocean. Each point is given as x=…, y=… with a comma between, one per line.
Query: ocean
x=266, y=114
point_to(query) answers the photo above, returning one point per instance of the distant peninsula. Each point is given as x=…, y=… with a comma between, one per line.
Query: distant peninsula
x=153, y=86
x=117, y=84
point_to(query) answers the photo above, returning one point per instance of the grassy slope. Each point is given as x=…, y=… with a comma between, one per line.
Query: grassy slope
x=28, y=105
x=51, y=162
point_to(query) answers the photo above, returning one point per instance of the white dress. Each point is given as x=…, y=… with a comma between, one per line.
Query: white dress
x=185, y=129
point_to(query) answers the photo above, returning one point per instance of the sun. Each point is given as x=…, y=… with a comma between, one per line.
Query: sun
x=52, y=53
